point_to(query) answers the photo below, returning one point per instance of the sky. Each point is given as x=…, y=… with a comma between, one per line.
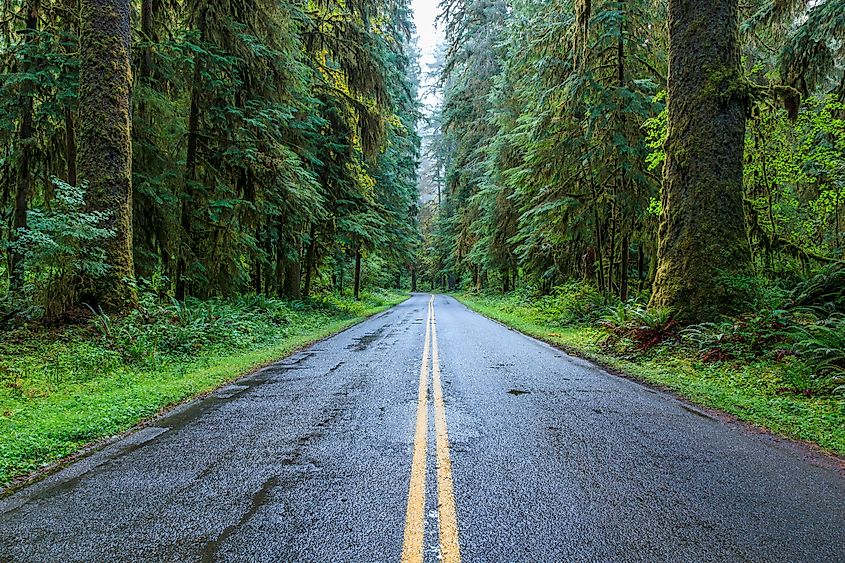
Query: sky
x=428, y=37
x=425, y=11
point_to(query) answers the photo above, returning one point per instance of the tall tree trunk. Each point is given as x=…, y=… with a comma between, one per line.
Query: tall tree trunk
x=413, y=278
x=293, y=281
x=70, y=147
x=279, y=274
x=147, y=30
x=258, y=271
x=186, y=240
x=612, y=228
x=641, y=275
x=310, y=258
x=358, y=272
x=599, y=255
x=702, y=229
x=105, y=146
x=623, y=268
x=340, y=271
x=25, y=135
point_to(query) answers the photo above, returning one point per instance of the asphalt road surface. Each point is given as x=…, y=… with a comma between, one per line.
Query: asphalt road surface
x=430, y=433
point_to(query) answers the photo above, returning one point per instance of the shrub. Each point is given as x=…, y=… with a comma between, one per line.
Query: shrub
x=822, y=347
x=748, y=337
x=631, y=325
x=570, y=304
x=62, y=245
x=826, y=289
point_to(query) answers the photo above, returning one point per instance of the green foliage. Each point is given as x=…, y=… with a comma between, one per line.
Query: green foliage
x=825, y=290
x=270, y=140
x=60, y=249
x=822, y=347
x=551, y=134
x=634, y=327
x=548, y=167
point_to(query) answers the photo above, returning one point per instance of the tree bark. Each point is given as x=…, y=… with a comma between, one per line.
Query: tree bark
x=702, y=229
x=105, y=148
x=70, y=147
x=358, y=272
x=641, y=275
x=293, y=281
x=623, y=268
x=186, y=242
x=279, y=271
x=25, y=135
x=340, y=276
x=147, y=30
x=310, y=258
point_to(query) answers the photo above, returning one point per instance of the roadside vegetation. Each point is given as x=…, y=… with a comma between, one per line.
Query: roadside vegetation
x=780, y=364
x=68, y=386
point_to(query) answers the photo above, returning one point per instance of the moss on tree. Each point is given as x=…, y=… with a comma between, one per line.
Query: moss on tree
x=702, y=228
x=105, y=151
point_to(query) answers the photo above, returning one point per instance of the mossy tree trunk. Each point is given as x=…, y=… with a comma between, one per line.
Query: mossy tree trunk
x=70, y=147
x=25, y=136
x=414, y=278
x=105, y=152
x=702, y=228
x=293, y=280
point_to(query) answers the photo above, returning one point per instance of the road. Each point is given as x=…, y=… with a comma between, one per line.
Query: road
x=430, y=432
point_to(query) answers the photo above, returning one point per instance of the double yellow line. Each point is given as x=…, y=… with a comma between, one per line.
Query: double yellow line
x=412, y=550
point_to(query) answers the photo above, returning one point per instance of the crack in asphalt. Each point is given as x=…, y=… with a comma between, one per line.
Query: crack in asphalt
x=209, y=552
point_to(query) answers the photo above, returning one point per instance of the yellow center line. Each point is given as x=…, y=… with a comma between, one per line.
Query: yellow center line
x=450, y=550
x=412, y=549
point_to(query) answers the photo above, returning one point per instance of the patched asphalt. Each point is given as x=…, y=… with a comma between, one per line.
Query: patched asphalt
x=553, y=460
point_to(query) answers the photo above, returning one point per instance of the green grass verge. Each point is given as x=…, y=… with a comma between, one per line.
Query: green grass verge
x=64, y=390
x=752, y=392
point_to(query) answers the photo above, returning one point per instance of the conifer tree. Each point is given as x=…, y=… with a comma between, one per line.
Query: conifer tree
x=105, y=151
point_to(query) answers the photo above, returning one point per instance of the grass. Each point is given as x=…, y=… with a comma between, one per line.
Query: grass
x=64, y=389
x=759, y=391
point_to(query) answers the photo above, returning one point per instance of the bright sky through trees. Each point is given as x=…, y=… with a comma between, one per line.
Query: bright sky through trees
x=425, y=12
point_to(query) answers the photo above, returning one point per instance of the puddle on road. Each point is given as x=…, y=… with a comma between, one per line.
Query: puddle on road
x=517, y=392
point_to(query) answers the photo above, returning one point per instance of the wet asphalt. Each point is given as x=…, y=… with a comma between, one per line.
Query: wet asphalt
x=553, y=460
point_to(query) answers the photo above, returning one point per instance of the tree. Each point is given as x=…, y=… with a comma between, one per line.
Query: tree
x=702, y=228
x=105, y=151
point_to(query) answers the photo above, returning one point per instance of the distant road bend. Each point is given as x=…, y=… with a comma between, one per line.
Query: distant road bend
x=429, y=433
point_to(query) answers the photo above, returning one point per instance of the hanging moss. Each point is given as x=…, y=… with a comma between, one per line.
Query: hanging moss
x=105, y=152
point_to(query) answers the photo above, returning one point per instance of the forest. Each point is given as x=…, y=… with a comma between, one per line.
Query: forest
x=659, y=183
x=189, y=189
x=554, y=138
x=203, y=149
x=665, y=171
